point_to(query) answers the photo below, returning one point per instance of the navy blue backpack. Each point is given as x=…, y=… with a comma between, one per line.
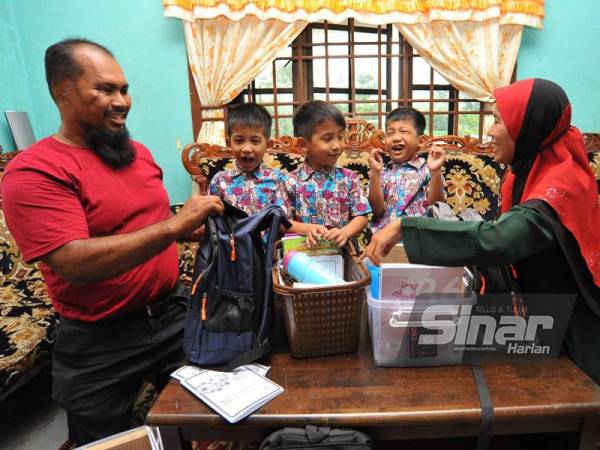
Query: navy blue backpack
x=231, y=302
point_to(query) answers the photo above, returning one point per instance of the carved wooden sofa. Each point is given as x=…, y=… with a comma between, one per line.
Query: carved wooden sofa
x=472, y=177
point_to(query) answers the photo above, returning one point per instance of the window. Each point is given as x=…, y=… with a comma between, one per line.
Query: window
x=365, y=71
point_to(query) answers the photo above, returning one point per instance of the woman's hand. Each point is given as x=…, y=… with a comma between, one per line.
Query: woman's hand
x=383, y=242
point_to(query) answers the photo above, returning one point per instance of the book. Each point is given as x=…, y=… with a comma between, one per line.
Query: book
x=298, y=242
x=293, y=242
x=334, y=263
x=185, y=372
x=404, y=281
x=233, y=395
x=299, y=285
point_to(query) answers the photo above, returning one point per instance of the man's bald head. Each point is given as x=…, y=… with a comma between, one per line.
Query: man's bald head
x=61, y=62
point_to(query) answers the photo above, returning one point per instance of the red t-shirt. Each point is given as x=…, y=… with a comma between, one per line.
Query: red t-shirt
x=53, y=193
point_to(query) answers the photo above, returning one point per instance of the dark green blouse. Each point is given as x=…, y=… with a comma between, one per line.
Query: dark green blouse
x=526, y=238
x=518, y=233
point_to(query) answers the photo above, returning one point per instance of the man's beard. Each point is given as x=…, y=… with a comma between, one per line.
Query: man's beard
x=112, y=147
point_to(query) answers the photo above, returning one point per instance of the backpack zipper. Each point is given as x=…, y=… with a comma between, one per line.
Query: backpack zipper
x=204, y=295
x=195, y=285
x=233, y=255
x=203, y=311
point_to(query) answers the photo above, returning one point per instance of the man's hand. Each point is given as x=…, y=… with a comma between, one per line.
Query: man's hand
x=314, y=233
x=383, y=242
x=436, y=158
x=196, y=236
x=90, y=260
x=338, y=235
x=376, y=161
x=194, y=213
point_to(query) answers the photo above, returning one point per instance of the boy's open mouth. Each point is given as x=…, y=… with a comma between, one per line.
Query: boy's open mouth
x=397, y=149
x=247, y=162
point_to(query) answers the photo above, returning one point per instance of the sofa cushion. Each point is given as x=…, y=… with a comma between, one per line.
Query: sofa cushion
x=594, y=159
x=187, y=253
x=27, y=320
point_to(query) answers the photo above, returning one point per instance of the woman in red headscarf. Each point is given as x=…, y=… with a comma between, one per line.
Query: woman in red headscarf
x=550, y=226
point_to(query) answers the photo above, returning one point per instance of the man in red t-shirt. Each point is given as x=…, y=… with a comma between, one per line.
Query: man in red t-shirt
x=89, y=204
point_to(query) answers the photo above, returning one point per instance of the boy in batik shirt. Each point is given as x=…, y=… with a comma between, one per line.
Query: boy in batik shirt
x=408, y=183
x=250, y=185
x=328, y=201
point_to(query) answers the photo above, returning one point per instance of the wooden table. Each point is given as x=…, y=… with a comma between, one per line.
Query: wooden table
x=394, y=403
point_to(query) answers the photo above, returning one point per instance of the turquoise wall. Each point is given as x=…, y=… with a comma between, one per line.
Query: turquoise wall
x=14, y=86
x=150, y=49
x=567, y=51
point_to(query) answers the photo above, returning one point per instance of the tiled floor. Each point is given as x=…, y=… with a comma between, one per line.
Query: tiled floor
x=29, y=419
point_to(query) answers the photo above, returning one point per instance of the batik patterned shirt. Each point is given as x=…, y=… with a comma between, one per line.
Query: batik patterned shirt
x=404, y=190
x=330, y=196
x=251, y=191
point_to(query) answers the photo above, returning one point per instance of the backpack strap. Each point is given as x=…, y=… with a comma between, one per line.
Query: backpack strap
x=213, y=243
x=277, y=219
x=271, y=219
x=212, y=233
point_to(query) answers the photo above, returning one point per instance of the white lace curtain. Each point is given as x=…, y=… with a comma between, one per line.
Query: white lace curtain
x=225, y=56
x=475, y=57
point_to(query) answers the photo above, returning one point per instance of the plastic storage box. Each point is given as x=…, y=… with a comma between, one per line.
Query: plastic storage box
x=396, y=327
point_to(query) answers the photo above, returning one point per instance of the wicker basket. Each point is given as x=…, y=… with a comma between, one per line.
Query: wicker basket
x=324, y=321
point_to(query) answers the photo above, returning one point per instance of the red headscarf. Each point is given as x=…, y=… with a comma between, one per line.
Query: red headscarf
x=550, y=162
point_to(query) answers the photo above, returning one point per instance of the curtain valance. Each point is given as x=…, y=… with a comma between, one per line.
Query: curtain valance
x=514, y=12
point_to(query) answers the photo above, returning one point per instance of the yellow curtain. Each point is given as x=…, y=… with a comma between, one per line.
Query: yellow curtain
x=475, y=57
x=379, y=12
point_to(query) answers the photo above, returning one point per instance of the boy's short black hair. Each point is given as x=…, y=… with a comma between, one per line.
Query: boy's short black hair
x=249, y=115
x=418, y=119
x=311, y=114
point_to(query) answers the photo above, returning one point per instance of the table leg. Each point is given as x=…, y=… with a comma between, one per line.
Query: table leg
x=170, y=438
x=589, y=438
